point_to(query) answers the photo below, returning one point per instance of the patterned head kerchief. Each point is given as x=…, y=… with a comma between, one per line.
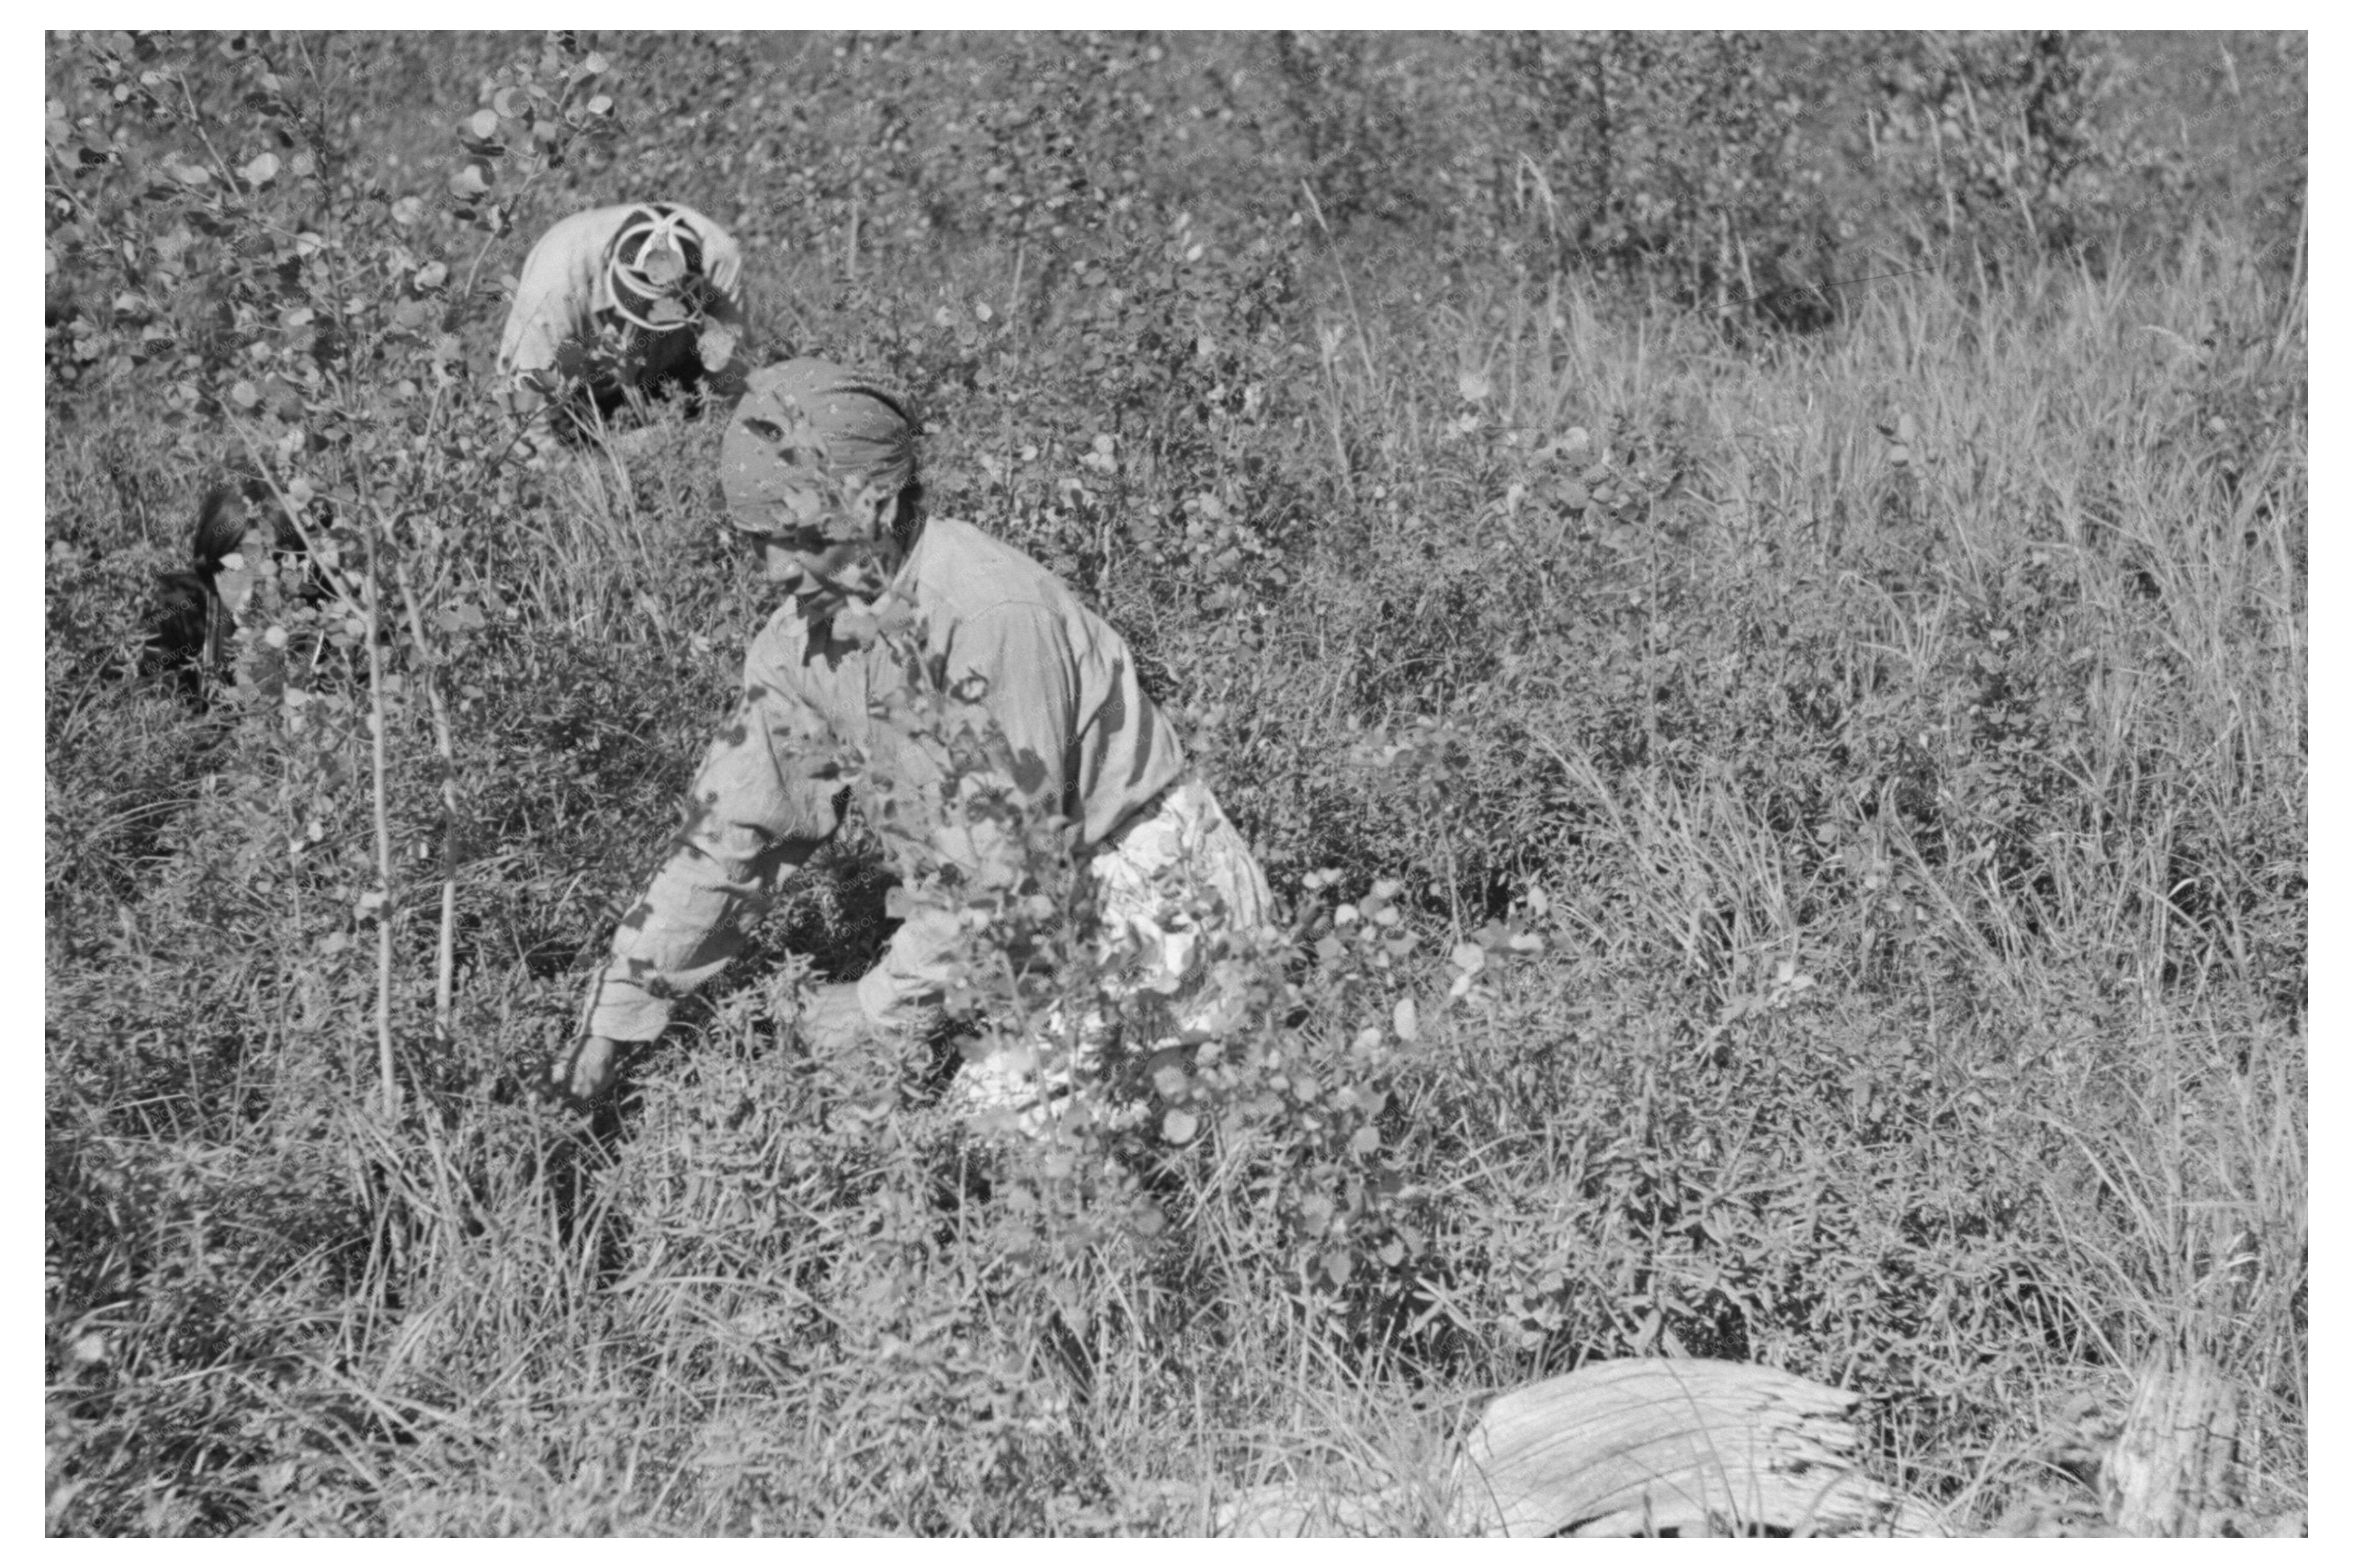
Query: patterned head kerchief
x=807, y=434
x=650, y=268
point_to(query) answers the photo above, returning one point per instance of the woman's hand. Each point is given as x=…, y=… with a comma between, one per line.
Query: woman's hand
x=833, y=1022
x=585, y=1074
x=723, y=260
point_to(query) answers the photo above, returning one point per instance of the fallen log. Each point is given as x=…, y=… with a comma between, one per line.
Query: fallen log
x=1653, y=1447
x=1628, y=1447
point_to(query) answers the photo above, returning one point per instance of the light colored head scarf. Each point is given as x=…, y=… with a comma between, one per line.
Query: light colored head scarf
x=807, y=433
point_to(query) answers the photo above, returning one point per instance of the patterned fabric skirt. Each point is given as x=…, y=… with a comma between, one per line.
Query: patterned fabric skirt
x=1166, y=885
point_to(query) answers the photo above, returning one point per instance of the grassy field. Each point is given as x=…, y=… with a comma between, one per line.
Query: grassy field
x=1791, y=791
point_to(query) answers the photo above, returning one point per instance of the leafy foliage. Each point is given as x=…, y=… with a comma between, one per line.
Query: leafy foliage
x=1789, y=792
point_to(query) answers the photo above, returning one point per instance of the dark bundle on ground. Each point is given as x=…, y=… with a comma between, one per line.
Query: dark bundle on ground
x=189, y=627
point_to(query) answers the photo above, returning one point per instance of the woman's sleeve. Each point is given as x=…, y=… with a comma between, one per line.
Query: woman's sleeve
x=553, y=298
x=764, y=801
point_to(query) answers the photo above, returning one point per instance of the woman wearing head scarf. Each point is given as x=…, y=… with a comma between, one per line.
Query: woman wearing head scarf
x=819, y=473
x=662, y=279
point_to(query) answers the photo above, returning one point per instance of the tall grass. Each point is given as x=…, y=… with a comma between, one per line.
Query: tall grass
x=1896, y=736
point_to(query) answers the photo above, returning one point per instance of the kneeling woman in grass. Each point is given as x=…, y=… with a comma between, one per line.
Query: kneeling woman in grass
x=820, y=471
x=624, y=301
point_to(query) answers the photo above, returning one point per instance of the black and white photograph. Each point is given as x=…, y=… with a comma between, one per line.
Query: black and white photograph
x=1200, y=783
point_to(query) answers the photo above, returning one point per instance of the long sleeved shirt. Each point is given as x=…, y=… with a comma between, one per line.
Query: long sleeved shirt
x=564, y=291
x=1082, y=741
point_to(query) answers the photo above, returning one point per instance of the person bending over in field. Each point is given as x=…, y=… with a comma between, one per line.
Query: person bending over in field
x=623, y=301
x=819, y=473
